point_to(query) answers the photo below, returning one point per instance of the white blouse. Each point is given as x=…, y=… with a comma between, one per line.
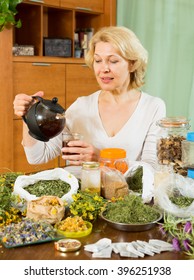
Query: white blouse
x=137, y=136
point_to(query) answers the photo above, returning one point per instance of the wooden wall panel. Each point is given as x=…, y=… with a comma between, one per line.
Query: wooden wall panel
x=6, y=101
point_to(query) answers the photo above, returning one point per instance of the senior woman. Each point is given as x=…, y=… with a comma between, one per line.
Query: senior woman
x=118, y=115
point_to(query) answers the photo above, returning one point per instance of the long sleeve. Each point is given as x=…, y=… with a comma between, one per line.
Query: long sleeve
x=137, y=136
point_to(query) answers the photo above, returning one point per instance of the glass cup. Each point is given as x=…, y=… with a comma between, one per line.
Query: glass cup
x=68, y=136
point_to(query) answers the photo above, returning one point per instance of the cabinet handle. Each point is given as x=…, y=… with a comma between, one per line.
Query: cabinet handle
x=40, y=64
x=85, y=9
x=84, y=65
x=38, y=1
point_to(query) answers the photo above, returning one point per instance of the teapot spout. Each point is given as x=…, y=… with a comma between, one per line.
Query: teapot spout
x=60, y=116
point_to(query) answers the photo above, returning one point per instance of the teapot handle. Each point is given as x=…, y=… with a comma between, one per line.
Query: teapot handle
x=34, y=97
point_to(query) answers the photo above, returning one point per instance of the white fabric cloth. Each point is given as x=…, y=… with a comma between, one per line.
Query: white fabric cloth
x=137, y=136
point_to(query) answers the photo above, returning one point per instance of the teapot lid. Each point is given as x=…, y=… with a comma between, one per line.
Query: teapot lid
x=52, y=105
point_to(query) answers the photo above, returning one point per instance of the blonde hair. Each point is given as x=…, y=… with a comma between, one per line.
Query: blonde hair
x=128, y=46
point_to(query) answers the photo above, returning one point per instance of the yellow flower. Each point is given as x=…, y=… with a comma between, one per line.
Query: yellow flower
x=91, y=217
x=74, y=212
x=4, y=239
x=53, y=211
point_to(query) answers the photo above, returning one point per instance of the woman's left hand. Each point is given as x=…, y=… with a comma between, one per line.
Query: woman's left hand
x=79, y=151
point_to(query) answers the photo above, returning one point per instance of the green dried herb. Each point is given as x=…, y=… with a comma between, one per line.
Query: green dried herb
x=5, y=198
x=135, y=180
x=131, y=210
x=181, y=201
x=49, y=187
x=7, y=181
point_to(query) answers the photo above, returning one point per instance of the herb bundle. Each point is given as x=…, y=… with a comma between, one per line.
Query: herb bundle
x=87, y=205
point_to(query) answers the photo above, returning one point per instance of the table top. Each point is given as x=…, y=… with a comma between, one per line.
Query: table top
x=47, y=251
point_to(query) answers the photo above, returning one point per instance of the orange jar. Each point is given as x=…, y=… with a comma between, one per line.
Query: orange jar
x=114, y=158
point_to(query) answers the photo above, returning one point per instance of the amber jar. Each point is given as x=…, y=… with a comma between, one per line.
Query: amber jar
x=169, y=143
x=114, y=158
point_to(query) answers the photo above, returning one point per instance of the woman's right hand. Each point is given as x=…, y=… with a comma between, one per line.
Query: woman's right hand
x=23, y=102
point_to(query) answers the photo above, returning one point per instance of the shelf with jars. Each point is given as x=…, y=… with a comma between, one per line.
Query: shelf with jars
x=31, y=70
x=49, y=27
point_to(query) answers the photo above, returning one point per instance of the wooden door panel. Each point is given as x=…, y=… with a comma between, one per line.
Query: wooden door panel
x=80, y=80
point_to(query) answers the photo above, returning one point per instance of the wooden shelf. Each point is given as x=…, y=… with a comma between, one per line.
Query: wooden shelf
x=64, y=77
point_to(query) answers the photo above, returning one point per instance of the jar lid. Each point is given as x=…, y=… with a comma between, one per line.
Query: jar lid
x=90, y=164
x=174, y=122
x=190, y=136
x=190, y=173
x=113, y=153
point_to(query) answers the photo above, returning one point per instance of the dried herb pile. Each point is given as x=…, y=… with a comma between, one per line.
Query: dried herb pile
x=49, y=187
x=135, y=180
x=181, y=201
x=7, y=213
x=131, y=210
x=27, y=231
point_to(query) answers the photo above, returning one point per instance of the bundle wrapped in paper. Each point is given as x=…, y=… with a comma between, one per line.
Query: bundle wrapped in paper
x=48, y=208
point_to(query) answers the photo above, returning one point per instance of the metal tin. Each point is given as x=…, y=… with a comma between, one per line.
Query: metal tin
x=57, y=47
x=67, y=245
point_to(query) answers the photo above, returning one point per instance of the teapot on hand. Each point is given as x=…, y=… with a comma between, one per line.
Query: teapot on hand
x=45, y=119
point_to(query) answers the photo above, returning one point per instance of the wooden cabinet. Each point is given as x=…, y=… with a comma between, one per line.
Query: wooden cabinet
x=80, y=81
x=60, y=20
x=64, y=77
x=66, y=81
x=30, y=77
x=85, y=5
x=6, y=102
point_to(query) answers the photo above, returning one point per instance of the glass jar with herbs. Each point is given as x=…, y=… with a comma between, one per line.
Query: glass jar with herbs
x=173, y=131
x=91, y=177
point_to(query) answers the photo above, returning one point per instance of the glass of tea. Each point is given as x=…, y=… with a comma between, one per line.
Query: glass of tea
x=68, y=136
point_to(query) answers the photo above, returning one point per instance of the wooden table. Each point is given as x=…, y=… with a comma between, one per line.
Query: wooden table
x=46, y=251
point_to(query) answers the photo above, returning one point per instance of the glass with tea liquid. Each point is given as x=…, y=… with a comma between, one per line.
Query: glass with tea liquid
x=67, y=137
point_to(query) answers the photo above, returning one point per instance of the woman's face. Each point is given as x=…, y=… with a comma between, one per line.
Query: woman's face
x=111, y=70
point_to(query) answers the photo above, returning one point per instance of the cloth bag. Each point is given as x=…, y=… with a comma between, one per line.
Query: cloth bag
x=174, y=185
x=53, y=174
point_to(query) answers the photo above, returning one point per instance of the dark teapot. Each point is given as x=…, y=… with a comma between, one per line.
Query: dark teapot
x=45, y=119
